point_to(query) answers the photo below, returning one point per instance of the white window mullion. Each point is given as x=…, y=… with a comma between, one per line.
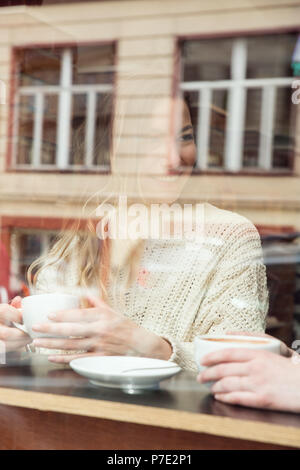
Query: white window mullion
x=64, y=111
x=90, y=128
x=203, y=131
x=38, y=129
x=266, y=127
x=247, y=82
x=236, y=108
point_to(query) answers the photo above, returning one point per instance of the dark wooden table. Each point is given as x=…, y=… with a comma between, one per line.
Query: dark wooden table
x=43, y=406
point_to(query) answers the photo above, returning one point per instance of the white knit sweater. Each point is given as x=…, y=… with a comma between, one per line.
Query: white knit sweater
x=186, y=288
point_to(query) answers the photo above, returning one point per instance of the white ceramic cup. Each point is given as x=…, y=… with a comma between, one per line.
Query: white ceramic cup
x=206, y=344
x=36, y=308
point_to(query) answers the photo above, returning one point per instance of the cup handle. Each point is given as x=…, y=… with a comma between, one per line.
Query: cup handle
x=20, y=326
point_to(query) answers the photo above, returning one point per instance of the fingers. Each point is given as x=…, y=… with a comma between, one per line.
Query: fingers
x=76, y=344
x=16, y=345
x=12, y=334
x=245, y=398
x=67, y=358
x=65, y=329
x=231, y=384
x=83, y=315
x=230, y=355
x=75, y=315
x=220, y=371
x=9, y=314
x=16, y=302
x=13, y=338
x=285, y=350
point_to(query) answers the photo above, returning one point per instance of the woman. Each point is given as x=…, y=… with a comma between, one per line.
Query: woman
x=164, y=291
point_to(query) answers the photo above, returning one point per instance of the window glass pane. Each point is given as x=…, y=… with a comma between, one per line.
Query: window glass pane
x=49, y=130
x=30, y=248
x=25, y=132
x=90, y=113
x=266, y=144
x=284, y=130
x=39, y=67
x=159, y=203
x=103, y=130
x=252, y=127
x=52, y=238
x=206, y=60
x=217, y=127
x=93, y=65
x=78, y=129
x=270, y=56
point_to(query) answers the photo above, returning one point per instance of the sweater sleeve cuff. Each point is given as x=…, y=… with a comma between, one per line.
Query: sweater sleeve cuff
x=182, y=353
x=174, y=355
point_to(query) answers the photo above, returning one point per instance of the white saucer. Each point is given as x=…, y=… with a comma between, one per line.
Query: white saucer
x=108, y=371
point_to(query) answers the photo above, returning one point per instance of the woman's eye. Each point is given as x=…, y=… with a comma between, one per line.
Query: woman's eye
x=186, y=138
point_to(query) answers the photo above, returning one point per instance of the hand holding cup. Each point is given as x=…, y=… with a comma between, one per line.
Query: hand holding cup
x=10, y=314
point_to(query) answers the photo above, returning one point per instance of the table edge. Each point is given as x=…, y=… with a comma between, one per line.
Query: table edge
x=154, y=416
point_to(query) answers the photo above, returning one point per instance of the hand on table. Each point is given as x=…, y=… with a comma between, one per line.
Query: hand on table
x=13, y=337
x=99, y=330
x=258, y=379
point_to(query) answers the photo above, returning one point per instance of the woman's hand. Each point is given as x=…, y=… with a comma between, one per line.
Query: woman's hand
x=13, y=338
x=258, y=379
x=98, y=330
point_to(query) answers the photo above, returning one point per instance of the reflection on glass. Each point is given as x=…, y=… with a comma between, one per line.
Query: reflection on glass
x=25, y=131
x=284, y=130
x=30, y=247
x=218, y=128
x=252, y=127
x=93, y=65
x=78, y=120
x=26, y=246
x=62, y=94
x=245, y=113
x=270, y=56
x=39, y=66
x=207, y=60
x=48, y=150
x=76, y=105
x=102, y=132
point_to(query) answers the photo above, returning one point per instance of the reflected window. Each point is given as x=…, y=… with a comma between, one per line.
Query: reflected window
x=241, y=92
x=26, y=246
x=63, y=108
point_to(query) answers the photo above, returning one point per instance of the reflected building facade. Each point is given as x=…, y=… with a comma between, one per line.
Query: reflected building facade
x=71, y=74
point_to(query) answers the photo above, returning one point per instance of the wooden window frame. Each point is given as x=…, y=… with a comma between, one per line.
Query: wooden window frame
x=90, y=90
x=177, y=87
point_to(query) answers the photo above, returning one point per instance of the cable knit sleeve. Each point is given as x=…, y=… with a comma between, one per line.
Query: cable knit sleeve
x=236, y=297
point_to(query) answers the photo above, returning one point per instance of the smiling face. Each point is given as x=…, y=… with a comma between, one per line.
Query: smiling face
x=165, y=175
